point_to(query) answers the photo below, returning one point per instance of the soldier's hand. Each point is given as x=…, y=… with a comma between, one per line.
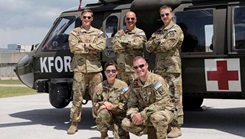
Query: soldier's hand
x=121, y=31
x=108, y=105
x=137, y=119
x=77, y=52
x=81, y=43
x=101, y=108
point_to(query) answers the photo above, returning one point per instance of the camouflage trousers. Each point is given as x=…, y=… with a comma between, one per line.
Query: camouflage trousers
x=159, y=120
x=175, y=86
x=80, y=82
x=105, y=119
x=127, y=77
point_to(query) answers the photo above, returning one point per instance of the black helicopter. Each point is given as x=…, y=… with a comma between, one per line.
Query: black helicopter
x=213, y=52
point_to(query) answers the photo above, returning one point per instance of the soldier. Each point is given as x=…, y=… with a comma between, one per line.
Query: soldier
x=128, y=43
x=110, y=98
x=86, y=43
x=149, y=107
x=166, y=43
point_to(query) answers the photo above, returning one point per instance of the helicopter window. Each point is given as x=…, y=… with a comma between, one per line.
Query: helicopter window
x=110, y=30
x=111, y=26
x=58, y=38
x=197, y=27
x=239, y=28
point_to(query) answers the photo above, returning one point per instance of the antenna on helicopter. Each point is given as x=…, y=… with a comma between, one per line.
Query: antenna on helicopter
x=79, y=7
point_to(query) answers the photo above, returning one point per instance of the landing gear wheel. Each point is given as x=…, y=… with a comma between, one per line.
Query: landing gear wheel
x=59, y=96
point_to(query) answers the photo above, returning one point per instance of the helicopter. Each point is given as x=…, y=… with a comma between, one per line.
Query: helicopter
x=213, y=51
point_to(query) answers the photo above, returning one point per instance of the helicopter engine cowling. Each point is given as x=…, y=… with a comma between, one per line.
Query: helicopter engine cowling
x=143, y=5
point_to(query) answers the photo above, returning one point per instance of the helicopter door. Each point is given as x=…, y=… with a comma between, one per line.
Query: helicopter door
x=198, y=28
x=110, y=27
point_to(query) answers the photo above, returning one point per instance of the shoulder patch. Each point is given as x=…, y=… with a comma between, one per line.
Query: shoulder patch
x=159, y=84
x=171, y=34
x=125, y=89
x=100, y=32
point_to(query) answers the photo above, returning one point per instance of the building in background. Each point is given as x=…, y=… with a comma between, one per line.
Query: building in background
x=9, y=57
x=12, y=48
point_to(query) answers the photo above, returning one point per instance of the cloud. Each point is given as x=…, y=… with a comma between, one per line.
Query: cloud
x=27, y=21
x=24, y=36
x=30, y=13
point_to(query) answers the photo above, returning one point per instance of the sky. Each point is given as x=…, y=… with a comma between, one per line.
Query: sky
x=28, y=21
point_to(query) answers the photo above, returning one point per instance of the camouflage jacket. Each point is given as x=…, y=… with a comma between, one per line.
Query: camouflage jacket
x=166, y=43
x=86, y=46
x=115, y=94
x=127, y=45
x=149, y=97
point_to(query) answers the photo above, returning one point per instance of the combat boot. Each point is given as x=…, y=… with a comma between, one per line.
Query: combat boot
x=175, y=132
x=104, y=135
x=73, y=128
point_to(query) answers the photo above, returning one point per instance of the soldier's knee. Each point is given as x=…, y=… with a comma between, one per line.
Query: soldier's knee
x=104, y=112
x=135, y=129
x=126, y=123
x=103, y=116
x=161, y=118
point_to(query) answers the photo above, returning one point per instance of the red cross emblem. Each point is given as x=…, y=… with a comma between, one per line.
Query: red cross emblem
x=222, y=75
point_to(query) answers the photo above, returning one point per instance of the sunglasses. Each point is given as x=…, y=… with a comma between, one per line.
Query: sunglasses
x=112, y=71
x=88, y=17
x=140, y=66
x=167, y=14
x=130, y=18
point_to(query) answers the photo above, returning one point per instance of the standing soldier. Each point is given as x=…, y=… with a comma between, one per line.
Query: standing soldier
x=149, y=107
x=110, y=99
x=166, y=43
x=128, y=43
x=85, y=43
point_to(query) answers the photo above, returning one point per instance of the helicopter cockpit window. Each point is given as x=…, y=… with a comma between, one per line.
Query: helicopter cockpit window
x=239, y=28
x=197, y=27
x=58, y=38
x=111, y=26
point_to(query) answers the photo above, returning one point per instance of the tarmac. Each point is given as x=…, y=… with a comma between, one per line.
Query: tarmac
x=33, y=117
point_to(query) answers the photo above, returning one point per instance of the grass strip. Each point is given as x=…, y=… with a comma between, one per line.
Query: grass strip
x=10, y=82
x=15, y=91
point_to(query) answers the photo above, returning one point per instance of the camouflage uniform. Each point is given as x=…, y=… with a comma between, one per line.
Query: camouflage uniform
x=117, y=95
x=86, y=46
x=152, y=100
x=166, y=43
x=128, y=45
